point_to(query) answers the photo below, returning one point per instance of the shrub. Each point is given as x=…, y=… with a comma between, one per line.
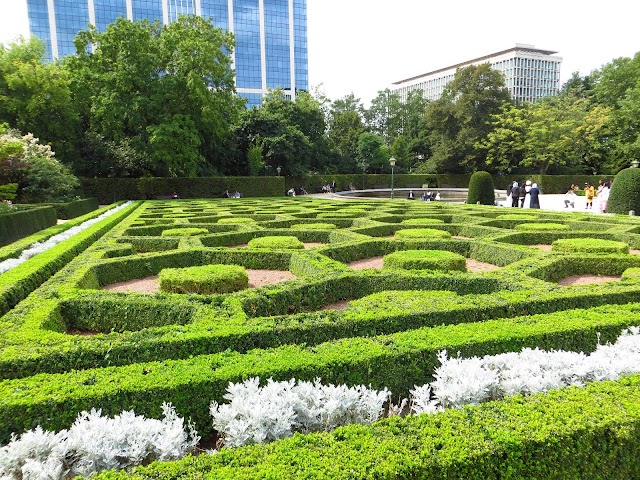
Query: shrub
x=314, y=226
x=541, y=227
x=481, y=189
x=625, y=192
x=421, y=233
x=183, y=232
x=425, y=260
x=232, y=220
x=632, y=273
x=206, y=280
x=421, y=221
x=589, y=245
x=517, y=216
x=287, y=242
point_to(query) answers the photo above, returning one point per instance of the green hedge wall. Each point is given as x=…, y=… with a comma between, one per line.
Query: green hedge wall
x=108, y=190
x=543, y=437
x=66, y=211
x=24, y=222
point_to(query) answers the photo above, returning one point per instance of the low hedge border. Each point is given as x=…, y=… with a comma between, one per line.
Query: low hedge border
x=542, y=436
x=19, y=282
x=397, y=361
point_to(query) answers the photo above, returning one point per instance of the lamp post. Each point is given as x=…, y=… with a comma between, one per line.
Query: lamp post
x=635, y=163
x=278, y=169
x=392, y=162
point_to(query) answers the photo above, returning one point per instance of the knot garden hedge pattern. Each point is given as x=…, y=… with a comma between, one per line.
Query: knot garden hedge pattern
x=69, y=345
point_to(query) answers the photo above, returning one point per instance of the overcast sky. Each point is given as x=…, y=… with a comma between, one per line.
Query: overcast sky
x=362, y=46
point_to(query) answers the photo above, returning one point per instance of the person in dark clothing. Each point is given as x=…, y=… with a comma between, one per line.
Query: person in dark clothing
x=522, y=193
x=514, y=194
x=535, y=196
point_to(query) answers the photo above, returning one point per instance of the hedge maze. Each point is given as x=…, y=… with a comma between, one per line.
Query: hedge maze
x=465, y=278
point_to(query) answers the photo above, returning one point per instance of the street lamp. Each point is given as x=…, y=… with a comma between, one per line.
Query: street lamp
x=635, y=163
x=392, y=162
x=278, y=168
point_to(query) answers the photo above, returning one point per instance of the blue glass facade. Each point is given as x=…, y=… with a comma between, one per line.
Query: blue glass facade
x=107, y=11
x=271, y=35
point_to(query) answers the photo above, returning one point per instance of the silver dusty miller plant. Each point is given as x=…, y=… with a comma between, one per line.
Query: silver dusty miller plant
x=258, y=414
x=95, y=443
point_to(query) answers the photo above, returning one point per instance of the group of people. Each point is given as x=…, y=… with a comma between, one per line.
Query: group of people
x=226, y=194
x=292, y=192
x=600, y=194
x=329, y=188
x=524, y=194
x=426, y=196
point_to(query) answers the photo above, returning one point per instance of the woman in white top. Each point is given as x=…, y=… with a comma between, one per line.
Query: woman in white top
x=603, y=197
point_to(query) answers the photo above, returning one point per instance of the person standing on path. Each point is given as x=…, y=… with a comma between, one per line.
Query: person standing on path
x=522, y=194
x=514, y=194
x=535, y=194
x=589, y=193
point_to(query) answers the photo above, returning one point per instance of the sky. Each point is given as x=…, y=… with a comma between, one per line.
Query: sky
x=363, y=46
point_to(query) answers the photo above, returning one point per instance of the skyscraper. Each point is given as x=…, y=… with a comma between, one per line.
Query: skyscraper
x=271, y=35
x=530, y=74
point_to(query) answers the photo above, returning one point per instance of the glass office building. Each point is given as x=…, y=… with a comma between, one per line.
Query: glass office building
x=530, y=74
x=271, y=35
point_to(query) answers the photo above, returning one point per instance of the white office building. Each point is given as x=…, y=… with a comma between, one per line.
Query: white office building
x=530, y=74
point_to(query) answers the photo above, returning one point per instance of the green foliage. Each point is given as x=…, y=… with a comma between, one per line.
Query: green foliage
x=235, y=220
x=205, y=280
x=75, y=208
x=18, y=224
x=421, y=221
x=625, y=192
x=314, y=226
x=164, y=93
x=541, y=436
x=425, y=260
x=372, y=152
x=8, y=191
x=287, y=242
x=481, y=189
x=183, y=232
x=421, y=233
x=541, y=227
x=589, y=245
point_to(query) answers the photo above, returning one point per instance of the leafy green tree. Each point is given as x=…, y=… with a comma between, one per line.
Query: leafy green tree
x=35, y=97
x=291, y=134
x=459, y=120
x=558, y=131
x=372, y=152
x=384, y=116
x=345, y=125
x=167, y=93
x=481, y=189
x=617, y=86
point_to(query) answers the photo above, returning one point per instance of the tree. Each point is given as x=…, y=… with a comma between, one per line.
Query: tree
x=344, y=128
x=35, y=97
x=459, y=121
x=557, y=131
x=291, y=134
x=166, y=92
x=481, y=189
x=372, y=152
x=617, y=86
x=384, y=116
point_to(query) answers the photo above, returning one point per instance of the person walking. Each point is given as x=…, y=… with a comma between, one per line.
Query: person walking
x=534, y=193
x=603, y=197
x=527, y=197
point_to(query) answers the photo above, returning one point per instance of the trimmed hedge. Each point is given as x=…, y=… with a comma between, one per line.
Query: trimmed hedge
x=286, y=242
x=543, y=436
x=24, y=222
x=183, y=232
x=397, y=361
x=75, y=208
x=589, y=245
x=421, y=233
x=421, y=221
x=425, y=260
x=625, y=192
x=543, y=227
x=205, y=280
x=481, y=189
